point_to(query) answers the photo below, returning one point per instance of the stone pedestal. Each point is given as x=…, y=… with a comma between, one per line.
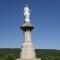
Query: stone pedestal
x=27, y=49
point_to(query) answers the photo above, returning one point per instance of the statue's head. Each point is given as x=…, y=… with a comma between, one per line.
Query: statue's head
x=26, y=5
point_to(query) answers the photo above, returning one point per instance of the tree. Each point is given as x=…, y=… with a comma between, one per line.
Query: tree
x=50, y=58
x=56, y=58
x=9, y=57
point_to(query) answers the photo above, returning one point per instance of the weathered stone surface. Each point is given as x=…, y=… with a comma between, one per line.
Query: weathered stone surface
x=27, y=49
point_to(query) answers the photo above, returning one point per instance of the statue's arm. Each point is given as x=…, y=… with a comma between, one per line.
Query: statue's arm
x=24, y=9
x=30, y=11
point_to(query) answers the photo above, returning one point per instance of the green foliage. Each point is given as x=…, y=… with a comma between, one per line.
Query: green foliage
x=56, y=58
x=5, y=51
x=43, y=53
x=50, y=58
x=40, y=53
x=9, y=57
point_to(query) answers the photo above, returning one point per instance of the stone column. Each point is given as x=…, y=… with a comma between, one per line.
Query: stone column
x=27, y=49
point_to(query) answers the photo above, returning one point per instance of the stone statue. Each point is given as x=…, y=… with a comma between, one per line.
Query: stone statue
x=27, y=13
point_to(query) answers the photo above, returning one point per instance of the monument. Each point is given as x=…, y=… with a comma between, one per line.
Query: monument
x=27, y=48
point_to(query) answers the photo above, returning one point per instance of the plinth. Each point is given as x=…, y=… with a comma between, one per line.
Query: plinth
x=27, y=49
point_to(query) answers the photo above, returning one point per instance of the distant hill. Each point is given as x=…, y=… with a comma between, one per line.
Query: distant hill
x=40, y=53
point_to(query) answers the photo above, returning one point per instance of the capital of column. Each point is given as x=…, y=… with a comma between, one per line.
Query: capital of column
x=27, y=26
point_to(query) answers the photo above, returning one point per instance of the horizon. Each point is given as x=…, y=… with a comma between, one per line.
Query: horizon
x=38, y=49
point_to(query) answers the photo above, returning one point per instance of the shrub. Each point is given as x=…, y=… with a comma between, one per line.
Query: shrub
x=9, y=57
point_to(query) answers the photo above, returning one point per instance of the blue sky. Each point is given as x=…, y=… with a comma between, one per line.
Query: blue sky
x=45, y=17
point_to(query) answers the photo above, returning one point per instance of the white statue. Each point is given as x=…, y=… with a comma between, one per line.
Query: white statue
x=27, y=13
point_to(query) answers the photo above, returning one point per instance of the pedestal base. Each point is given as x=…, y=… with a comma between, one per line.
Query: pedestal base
x=27, y=51
x=29, y=59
